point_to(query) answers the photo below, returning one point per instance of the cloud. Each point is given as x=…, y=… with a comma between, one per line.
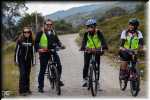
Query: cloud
x=50, y=7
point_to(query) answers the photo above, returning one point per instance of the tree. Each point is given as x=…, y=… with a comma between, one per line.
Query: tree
x=10, y=11
x=62, y=26
x=30, y=20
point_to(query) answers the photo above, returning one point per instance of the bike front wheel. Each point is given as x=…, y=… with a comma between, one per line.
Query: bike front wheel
x=135, y=83
x=57, y=82
x=93, y=80
x=51, y=76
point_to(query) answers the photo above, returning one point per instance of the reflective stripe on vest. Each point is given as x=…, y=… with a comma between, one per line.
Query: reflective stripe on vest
x=95, y=39
x=134, y=42
x=43, y=41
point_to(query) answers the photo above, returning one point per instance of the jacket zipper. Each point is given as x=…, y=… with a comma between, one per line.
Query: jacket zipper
x=26, y=51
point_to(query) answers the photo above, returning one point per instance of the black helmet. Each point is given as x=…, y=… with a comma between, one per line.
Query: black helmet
x=134, y=22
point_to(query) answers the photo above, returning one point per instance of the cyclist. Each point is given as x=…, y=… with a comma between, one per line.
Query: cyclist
x=93, y=39
x=45, y=40
x=131, y=38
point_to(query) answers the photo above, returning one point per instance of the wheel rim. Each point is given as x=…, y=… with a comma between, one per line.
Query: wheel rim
x=50, y=77
x=134, y=87
x=94, y=82
x=57, y=79
x=135, y=82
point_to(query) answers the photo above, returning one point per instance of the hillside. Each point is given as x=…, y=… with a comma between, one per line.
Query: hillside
x=77, y=15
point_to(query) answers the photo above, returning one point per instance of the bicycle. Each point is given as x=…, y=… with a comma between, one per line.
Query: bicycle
x=93, y=72
x=132, y=75
x=52, y=72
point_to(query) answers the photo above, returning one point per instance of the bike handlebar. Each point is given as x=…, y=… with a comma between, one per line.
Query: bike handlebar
x=56, y=49
x=92, y=50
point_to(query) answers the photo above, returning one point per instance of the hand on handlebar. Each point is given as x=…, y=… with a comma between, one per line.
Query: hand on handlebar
x=92, y=50
x=43, y=50
x=122, y=49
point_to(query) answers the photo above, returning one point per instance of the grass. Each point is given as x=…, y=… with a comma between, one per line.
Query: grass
x=10, y=71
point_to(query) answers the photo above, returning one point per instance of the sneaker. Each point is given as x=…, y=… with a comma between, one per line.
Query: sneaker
x=24, y=94
x=61, y=83
x=29, y=92
x=84, y=83
x=98, y=87
x=41, y=90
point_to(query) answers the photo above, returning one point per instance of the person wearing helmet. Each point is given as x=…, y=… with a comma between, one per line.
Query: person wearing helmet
x=131, y=38
x=98, y=41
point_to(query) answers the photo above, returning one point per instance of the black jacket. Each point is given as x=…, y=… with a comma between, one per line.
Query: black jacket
x=101, y=37
x=24, y=52
x=53, y=40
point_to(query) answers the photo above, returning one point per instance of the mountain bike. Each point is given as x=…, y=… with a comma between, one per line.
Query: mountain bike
x=52, y=72
x=132, y=74
x=93, y=72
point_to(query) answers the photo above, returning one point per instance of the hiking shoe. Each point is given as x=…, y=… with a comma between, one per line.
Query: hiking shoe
x=85, y=83
x=41, y=90
x=61, y=83
x=24, y=94
x=29, y=92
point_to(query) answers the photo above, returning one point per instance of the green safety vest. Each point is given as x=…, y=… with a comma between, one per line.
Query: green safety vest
x=43, y=41
x=132, y=43
x=95, y=39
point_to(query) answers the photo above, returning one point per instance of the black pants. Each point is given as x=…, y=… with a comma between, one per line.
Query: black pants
x=126, y=56
x=24, y=79
x=44, y=57
x=87, y=57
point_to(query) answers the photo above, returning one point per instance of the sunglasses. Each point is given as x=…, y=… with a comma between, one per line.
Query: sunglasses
x=90, y=26
x=27, y=32
x=49, y=24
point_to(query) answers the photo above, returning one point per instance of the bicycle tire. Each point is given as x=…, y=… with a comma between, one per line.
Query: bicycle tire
x=51, y=77
x=135, y=84
x=94, y=81
x=57, y=80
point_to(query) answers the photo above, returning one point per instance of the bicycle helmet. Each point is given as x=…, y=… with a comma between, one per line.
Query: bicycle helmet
x=91, y=22
x=134, y=22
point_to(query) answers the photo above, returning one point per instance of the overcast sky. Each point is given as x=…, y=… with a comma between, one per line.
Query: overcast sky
x=50, y=7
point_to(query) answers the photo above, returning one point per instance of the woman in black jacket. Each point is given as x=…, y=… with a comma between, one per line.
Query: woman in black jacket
x=24, y=57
